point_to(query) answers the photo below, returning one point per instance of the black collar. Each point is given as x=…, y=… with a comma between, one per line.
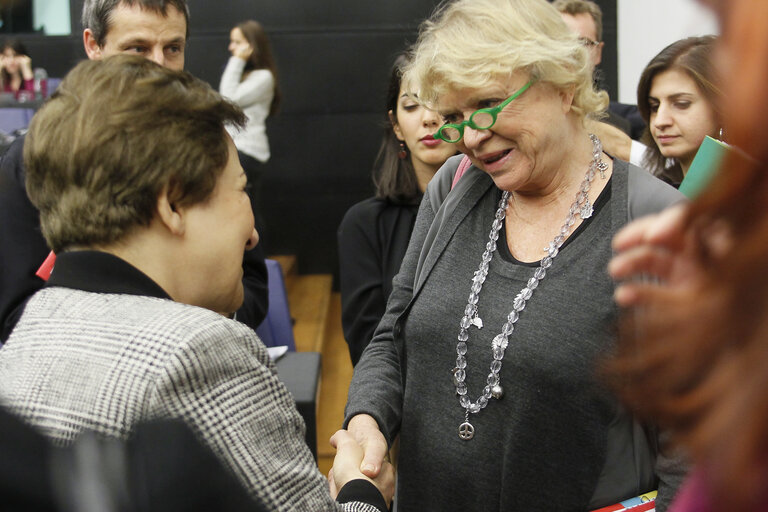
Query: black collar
x=100, y=272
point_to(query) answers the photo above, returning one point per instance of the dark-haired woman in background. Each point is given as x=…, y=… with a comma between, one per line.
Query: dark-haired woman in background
x=677, y=96
x=15, y=68
x=250, y=81
x=374, y=234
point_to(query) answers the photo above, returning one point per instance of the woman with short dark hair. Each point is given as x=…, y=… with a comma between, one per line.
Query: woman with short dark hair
x=142, y=196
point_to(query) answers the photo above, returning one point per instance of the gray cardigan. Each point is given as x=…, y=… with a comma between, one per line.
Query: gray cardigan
x=549, y=443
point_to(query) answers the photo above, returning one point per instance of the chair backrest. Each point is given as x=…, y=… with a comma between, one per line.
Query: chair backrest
x=277, y=327
x=12, y=119
x=53, y=83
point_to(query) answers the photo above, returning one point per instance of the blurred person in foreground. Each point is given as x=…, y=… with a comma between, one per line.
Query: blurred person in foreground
x=484, y=362
x=142, y=196
x=156, y=30
x=694, y=348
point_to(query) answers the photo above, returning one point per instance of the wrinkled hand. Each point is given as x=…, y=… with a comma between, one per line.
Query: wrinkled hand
x=366, y=432
x=650, y=252
x=346, y=467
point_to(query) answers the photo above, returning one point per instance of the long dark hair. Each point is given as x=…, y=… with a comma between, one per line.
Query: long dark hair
x=394, y=177
x=693, y=56
x=18, y=47
x=261, y=58
x=698, y=361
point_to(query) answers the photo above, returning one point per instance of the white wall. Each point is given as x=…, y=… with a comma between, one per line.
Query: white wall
x=53, y=15
x=645, y=27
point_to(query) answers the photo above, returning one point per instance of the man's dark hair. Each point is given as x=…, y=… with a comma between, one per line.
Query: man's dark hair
x=96, y=13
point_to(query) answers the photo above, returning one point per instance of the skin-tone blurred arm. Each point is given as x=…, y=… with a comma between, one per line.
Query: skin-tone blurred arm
x=25, y=64
x=365, y=431
x=650, y=252
x=346, y=467
x=615, y=142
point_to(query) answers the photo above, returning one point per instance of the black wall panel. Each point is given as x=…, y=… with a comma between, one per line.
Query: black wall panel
x=334, y=59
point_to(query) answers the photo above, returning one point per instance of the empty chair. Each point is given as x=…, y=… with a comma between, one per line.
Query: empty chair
x=277, y=327
x=12, y=119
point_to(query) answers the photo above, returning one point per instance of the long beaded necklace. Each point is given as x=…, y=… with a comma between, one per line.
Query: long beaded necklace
x=581, y=207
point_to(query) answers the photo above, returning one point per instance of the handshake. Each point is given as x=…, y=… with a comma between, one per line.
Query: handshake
x=361, y=453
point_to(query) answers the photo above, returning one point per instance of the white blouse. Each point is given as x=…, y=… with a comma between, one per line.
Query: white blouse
x=254, y=95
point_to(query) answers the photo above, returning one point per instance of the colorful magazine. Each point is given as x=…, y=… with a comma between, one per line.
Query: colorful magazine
x=643, y=503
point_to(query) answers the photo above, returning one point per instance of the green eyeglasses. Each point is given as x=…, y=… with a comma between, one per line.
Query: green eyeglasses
x=482, y=119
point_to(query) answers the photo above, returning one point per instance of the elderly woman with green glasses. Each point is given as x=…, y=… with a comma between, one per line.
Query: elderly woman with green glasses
x=485, y=362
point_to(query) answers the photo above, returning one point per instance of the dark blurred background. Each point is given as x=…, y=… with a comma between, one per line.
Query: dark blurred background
x=334, y=59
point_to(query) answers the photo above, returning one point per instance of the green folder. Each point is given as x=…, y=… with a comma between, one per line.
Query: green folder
x=704, y=166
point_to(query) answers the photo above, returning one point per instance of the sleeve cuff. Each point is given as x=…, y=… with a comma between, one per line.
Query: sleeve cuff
x=636, y=153
x=362, y=491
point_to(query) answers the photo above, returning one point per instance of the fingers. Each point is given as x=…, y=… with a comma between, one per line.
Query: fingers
x=665, y=228
x=647, y=261
x=332, y=485
x=366, y=431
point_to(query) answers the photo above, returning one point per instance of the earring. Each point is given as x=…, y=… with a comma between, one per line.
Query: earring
x=402, y=153
x=720, y=134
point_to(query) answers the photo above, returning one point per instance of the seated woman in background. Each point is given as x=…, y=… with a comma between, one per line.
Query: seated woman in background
x=250, y=82
x=16, y=68
x=678, y=96
x=142, y=197
x=374, y=233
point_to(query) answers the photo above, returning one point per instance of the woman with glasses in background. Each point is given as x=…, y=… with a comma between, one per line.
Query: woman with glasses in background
x=485, y=361
x=374, y=233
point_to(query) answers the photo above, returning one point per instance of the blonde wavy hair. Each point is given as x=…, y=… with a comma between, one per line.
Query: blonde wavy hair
x=469, y=43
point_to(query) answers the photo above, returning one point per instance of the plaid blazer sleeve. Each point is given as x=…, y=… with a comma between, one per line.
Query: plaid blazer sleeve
x=223, y=384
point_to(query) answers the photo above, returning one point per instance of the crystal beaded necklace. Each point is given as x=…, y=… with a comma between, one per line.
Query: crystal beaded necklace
x=581, y=207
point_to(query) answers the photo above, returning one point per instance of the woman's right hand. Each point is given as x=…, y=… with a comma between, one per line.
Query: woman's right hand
x=365, y=430
x=347, y=463
x=243, y=51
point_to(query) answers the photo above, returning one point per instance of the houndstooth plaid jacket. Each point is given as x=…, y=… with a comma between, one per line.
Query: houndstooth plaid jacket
x=79, y=360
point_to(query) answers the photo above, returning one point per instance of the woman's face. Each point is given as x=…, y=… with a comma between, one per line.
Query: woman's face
x=527, y=144
x=217, y=232
x=680, y=116
x=238, y=44
x=10, y=62
x=414, y=125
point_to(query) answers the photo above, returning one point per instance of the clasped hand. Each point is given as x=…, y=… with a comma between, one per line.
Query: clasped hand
x=360, y=453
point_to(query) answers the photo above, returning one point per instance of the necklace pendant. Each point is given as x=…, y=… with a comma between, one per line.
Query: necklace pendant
x=586, y=210
x=466, y=431
x=477, y=321
x=602, y=167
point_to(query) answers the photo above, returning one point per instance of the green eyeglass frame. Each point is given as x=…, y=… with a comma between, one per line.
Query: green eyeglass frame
x=482, y=119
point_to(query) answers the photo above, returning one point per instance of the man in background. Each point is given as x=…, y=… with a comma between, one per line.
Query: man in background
x=157, y=30
x=585, y=18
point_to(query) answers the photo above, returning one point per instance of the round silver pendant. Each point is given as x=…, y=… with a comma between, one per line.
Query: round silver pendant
x=466, y=431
